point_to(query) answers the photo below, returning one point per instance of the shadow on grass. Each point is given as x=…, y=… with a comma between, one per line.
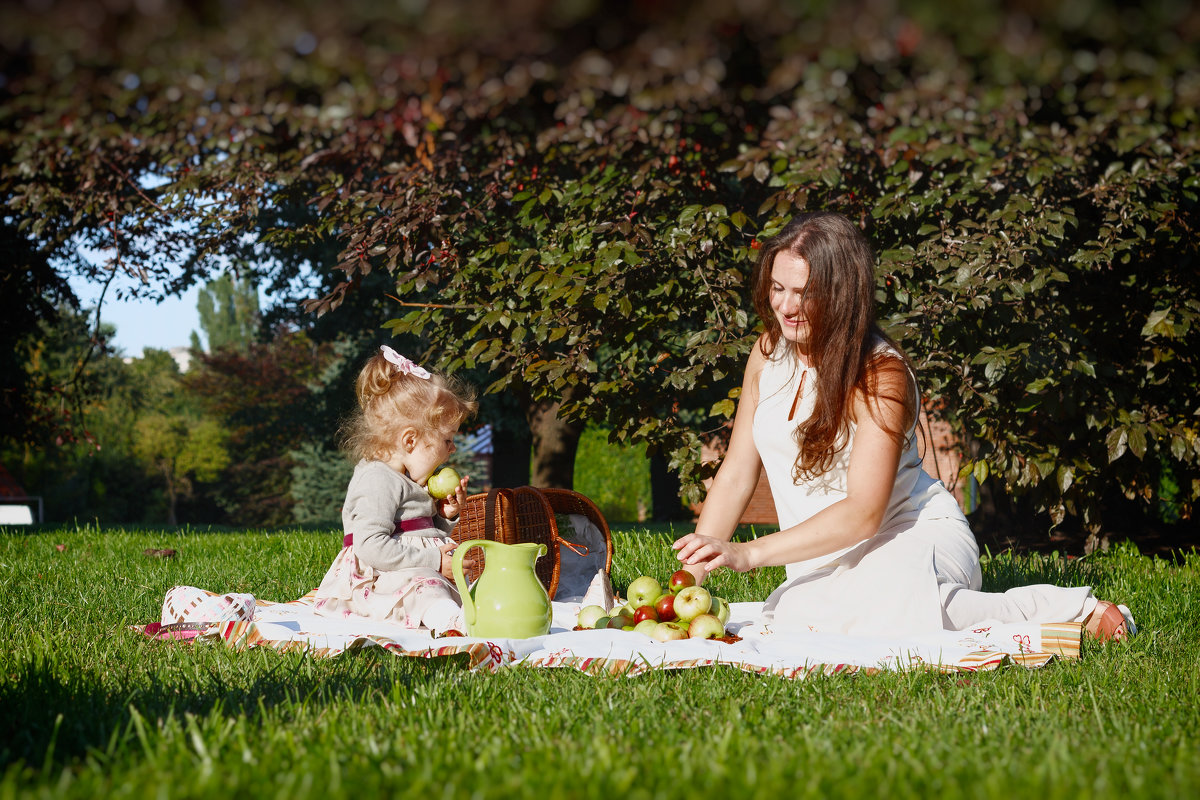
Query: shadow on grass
x=55, y=712
x=186, y=529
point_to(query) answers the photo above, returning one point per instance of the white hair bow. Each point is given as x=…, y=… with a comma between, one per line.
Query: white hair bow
x=402, y=364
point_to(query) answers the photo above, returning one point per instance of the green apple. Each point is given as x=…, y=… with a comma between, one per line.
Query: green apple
x=443, y=483
x=720, y=609
x=601, y=623
x=691, y=602
x=705, y=626
x=646, y=627
x=643, y=591
x=589, y=614
x=668, y=632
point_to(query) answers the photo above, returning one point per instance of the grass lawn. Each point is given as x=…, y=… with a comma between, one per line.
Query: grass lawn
x=90, y=709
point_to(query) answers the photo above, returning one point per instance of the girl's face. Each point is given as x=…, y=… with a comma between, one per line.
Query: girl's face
x=424, y=453
x=789, y=281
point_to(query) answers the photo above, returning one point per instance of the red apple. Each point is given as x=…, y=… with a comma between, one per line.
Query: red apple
x=668, y=632
x=705, y=626
x=644, y=613
x=620, y=620
x=680, y=580
x=691, y=602
x=665, y=606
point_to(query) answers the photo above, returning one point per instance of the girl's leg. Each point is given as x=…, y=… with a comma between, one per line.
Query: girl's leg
x=442, y=616
x=433, y=603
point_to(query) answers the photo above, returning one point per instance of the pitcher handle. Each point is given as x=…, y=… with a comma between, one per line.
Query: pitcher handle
x=460, y=580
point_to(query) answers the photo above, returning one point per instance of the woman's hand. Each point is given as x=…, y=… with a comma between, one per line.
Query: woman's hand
x=449, y=507
x=710, y=553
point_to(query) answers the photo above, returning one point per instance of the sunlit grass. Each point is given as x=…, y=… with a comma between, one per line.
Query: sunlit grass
x=89, y=708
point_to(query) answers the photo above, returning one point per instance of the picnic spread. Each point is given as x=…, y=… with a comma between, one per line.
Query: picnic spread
x=242, y=621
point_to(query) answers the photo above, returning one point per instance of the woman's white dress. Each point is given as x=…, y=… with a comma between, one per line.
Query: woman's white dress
x=919, y=573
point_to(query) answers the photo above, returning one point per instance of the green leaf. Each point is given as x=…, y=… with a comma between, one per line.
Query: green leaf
x=1066, y=477
x=1157, y=323
x=723, y=408
x=1116, y=441
x=1137, y=440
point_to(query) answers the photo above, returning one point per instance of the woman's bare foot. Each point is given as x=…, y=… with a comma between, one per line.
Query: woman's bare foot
x=1106, y=622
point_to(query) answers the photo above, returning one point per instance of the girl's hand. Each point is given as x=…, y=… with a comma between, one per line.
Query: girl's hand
x=450, y=506
x=709, y=553
x=447, y=567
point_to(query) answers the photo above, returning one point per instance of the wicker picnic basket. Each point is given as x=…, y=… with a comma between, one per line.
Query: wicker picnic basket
x=526, y=514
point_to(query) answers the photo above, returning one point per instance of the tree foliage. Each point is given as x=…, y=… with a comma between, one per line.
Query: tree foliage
x=567, y=195
x=229, y=313
x=262, y=400
x=180, y=447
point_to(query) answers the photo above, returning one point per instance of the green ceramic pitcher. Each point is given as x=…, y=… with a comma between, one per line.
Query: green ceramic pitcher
x=508, y=601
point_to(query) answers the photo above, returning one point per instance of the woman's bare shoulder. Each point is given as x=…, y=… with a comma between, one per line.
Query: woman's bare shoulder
x=758, y=358
x=890, y=392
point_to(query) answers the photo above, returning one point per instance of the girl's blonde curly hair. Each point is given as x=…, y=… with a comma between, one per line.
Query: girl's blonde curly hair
x=390, y=401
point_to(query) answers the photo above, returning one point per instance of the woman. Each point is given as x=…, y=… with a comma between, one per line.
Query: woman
x=829, y=404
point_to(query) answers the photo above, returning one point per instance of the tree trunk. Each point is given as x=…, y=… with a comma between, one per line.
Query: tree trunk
x=664, y=492
x=554, y=445
x=510, y=456
x=172, y=494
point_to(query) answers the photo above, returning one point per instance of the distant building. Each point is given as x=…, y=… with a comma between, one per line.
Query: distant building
x=16, y=508
x=182, y=356
x=475, y=448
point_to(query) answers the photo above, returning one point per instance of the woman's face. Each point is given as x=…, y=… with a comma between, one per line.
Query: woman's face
x=789, y=280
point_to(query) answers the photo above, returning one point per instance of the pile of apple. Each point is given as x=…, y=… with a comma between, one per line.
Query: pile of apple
x=684, y=611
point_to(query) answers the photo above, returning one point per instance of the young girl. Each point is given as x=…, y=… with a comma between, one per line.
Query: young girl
x=396, y=553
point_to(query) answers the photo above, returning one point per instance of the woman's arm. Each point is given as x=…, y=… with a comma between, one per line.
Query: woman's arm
x=737, y=476
x=871, y=474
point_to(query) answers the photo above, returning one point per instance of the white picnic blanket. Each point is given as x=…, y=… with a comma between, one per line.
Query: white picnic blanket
x=293, y=625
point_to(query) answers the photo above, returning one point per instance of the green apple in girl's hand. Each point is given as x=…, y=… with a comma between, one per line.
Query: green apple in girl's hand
x=442, y=483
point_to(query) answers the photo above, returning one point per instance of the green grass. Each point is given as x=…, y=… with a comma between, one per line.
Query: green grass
x=616, y=478
x=90, y=709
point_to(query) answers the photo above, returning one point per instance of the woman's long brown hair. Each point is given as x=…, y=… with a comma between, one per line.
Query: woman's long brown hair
x=845, y=338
